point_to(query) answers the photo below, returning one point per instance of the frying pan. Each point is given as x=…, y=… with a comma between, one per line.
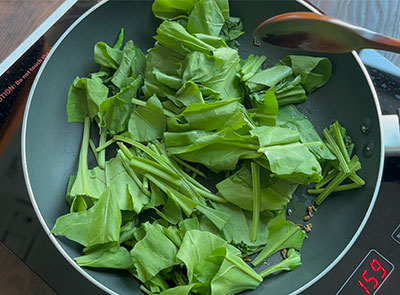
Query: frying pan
x=50, y=145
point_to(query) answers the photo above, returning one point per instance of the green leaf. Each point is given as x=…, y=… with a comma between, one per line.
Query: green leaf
x=114, y=114
x=98, y=225
x=293, y=162
x=197, y=246
x=148, y=123
x=132, y=64
x=89, y=183
x=216, y=115
x=120, y=40
x=270, y=77
x=189, y=94
x=96, y=183
x=175, y=37
x=107, y=56
x=153, y=253
x=129, y=195
x=290, y=117
x=237, y=189
x=167, y=80
x=206, y=18
x=218, y=151
x=117, y=258
x=234, y=276
x=166, y=61
x=232, y=29
x=251, y=66
x=84, y=99
x=292, y=261
x=225, y=79
x=282, y=234
x=78, y=204
x=179, y=290
x=217, y=217
x=269, y=136
x=314, y=71
x=237, y=230
x=167, y=9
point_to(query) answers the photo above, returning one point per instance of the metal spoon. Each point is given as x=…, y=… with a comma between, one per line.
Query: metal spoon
x=320, y=33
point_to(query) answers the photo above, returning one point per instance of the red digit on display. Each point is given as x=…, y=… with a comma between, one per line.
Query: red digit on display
x=378, y=267
x=363, y=286
x=371, y=278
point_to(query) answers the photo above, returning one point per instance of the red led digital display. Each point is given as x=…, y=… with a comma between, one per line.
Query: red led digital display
x=369, y=275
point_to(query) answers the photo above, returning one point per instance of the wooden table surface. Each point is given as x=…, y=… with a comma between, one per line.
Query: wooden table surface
x=17, y=278
x=19, y=18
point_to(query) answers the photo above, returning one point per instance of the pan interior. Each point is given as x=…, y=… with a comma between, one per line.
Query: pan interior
x=52, y=145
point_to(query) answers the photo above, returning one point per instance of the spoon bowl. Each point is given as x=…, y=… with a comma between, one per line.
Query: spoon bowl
x=320, y=33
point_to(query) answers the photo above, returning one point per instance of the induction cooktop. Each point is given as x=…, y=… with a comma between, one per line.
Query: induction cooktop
x=372, y=266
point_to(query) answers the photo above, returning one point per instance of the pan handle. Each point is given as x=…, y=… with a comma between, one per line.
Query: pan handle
x=391, y=134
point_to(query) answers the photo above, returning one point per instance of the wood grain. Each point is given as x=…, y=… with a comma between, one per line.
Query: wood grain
x=382, y=16
x=19, y=18
x=17, y=278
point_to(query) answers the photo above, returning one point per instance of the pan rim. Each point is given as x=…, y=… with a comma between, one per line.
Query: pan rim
x=25, y=165
x=371, y=206
x=56, y=243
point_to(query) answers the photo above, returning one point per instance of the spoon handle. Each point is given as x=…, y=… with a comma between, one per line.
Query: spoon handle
x=383, y=42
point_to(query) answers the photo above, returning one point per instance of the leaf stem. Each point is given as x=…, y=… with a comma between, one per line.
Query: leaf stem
x=340, y=188
x=255, y=173
x=354, y=165
x=186, y=165
x=83, y=163
x=147, y=168
x=340, y=141
x=105, y=145
x=331, y=175
x=132, y=174
x=336, y=150
x=102, y=154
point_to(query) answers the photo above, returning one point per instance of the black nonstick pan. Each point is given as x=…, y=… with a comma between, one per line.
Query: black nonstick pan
x=50, y=145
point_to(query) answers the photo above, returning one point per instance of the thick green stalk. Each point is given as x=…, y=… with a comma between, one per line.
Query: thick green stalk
x=357, y=179
x=101, y=161
x=354, y=165
x=186, y=204
x=340, y=188
x=331, y=175
x=144, y=290
x=125, y=163
x=105, y=145
x=83, y=169
x=138, y=102
x=340, y=141
x=210, y=196
x=336, y=151
x=146, y=168
x=255, y=173
x=141, y=147
x=93, y=148
x=186, y=165
x=156, y=165
x=125, y=150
